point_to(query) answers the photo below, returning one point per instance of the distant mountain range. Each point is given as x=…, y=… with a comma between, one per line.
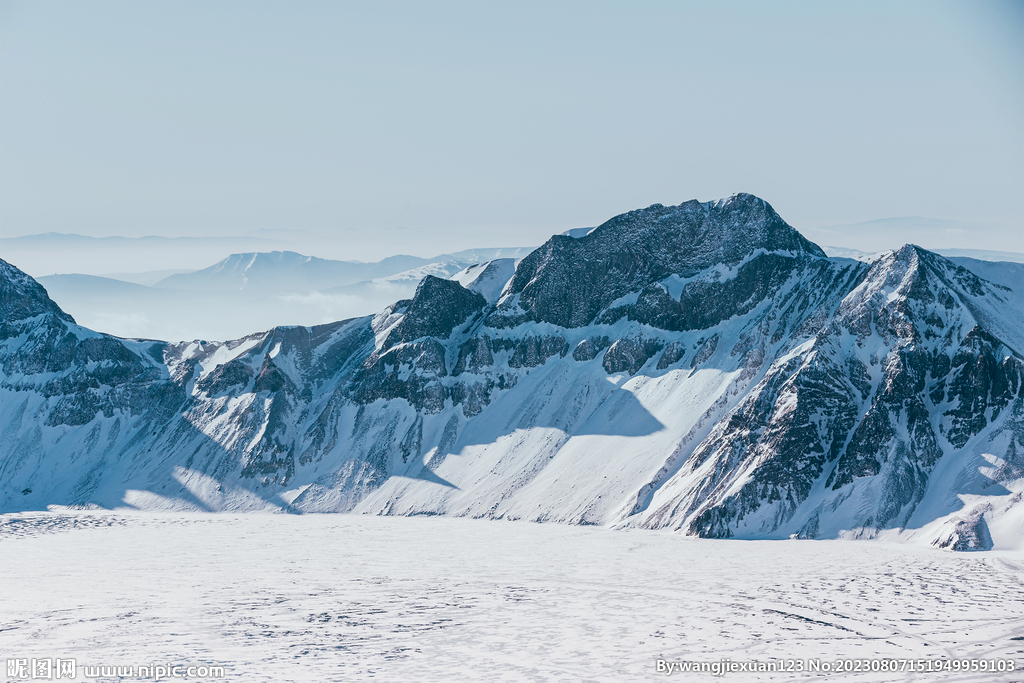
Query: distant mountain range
x=250, y=291
x=287, y=271
x=700, y=367
x=53, y=253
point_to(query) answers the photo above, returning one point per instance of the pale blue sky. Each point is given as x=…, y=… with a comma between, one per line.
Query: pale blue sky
x=424, y=127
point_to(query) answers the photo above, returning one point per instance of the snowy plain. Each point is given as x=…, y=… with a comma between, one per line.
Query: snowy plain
x=343, y=597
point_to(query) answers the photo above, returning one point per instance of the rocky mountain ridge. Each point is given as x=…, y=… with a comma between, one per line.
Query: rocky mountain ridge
x=701, y=367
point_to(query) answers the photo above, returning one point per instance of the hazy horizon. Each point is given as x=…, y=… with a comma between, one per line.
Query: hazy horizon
x=228, y=298
x=195, y=252
x=427, y=127
x=359, y=131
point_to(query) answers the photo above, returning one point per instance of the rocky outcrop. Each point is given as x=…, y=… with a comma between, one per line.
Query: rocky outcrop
x=21, y=298
x=436, y=309
x=630, y=354
x=568, y=281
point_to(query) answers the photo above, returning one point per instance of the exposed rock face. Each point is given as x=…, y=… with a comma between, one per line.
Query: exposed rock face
x=534, y=350
x=568, y=281
x=474, y=356
x=21, y=297
x=700, y=367
x=969, y=532
x=436, y=309
x=589, y=348
x=630, y=354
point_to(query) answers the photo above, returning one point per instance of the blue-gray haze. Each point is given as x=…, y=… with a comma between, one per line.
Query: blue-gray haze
x=428, y=127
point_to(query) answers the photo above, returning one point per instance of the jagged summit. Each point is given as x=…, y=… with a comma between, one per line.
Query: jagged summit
x=911, y=288
x=568, y=281
x=719, y=231
x=22, y=297
x=438, y=306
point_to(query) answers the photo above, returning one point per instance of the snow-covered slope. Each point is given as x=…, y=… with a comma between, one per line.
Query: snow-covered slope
x=487, y=279
x=701, y=367
x=1005, y=273
x=963, y=257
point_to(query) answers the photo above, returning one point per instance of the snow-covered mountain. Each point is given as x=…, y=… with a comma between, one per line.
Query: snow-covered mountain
x=963, y=257
x=699, y=367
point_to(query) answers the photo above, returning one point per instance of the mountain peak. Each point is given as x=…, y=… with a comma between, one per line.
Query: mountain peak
x=22, y=297
x=707, y=233
x=568, y=280
x=739, y=201
x=438, y=307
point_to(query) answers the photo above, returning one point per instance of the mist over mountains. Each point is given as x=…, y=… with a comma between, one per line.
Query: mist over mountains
x=226, y=287
x=250, y=291
x=700, y=367
x=54, y=253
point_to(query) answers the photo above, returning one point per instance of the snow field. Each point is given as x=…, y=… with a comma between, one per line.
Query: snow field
x=351, y=597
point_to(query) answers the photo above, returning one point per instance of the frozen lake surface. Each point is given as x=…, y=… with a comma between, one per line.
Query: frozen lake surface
x=345, y=597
